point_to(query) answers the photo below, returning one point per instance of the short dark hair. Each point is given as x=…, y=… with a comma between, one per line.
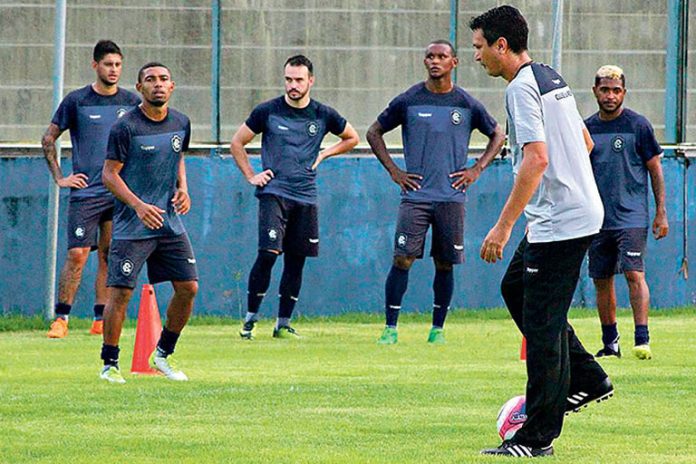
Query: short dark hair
x=503, y=21
x=103, y=48
x=300, y=60
x=151, y=64
x=443, y=42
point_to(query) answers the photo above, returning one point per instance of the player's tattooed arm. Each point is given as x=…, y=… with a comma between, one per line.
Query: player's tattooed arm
x=149, y=215
x=349, y=139
x=240, y=139
x=468, y=176
x=375, y=137
x=48, y=143
x=181, y=200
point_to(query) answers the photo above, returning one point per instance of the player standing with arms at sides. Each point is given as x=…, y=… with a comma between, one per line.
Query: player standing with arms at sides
x=437, y=118
x=145, y=170
x=88, y=113
x=625, y=152
x=293, y=127
x=555, y=188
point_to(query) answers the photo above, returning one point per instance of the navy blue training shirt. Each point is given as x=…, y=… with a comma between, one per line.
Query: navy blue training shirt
x=290, y=144
x=436, y=129
x=150, y=152
x=89, y=117
x=622, y=147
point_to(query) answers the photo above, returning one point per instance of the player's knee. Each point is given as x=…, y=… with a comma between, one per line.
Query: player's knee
x=635, y=278
x=187, y=289
x=267, y=258
x=443, y=266
x=77, y=257
x=403, y=262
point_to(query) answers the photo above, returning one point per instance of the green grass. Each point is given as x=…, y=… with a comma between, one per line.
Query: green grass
x=334, y=396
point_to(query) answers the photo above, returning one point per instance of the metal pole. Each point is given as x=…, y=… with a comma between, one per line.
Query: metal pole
x=454, y=23
x=215, y=76
x=557, y=47
x=53, y=189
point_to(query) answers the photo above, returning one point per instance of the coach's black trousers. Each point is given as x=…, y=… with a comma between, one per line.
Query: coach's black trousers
x=538, y=289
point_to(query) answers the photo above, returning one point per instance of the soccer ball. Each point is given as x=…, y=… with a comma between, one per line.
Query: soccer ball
x=511, y=417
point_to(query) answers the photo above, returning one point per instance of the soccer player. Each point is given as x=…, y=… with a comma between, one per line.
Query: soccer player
x=437, y=119
x=293, y=127
x=555, y=187
x=625, y=152
x=88, y=113
x=145, y=171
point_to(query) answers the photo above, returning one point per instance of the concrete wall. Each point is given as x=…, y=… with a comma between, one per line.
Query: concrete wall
x=357, y=215
x=365, y=52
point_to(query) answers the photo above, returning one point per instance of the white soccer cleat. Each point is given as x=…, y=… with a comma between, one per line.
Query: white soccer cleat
x=167, y=366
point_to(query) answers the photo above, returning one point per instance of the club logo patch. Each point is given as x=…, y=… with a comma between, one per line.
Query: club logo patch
x=80, y=232
x=456, y=117
x=312, y=128
x=273, y=234
x=176, y=144
x=617, y=144
x=127, y=267
x=120, y=112
x=401, y=240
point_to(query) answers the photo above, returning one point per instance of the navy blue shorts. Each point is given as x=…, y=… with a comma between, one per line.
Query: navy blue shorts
x=447, y=219
x=168, y=259
x=288, y=226
x=85, y=215
x=617, y=251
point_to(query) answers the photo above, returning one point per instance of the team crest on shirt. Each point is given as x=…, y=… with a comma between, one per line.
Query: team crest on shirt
x=312, y=128
x=127, y=267
x=401, y=240
x=617, y=144
x=120, y=112
x=273, y=234
x=80, y=232
x=176, y=143
x=456, y=117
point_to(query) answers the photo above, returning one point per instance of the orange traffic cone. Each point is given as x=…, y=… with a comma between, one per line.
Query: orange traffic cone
x=523, y=349
x=147, y=332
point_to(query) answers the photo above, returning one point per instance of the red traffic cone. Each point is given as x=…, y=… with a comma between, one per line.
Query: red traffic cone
x=147, y=332
x=523, y=349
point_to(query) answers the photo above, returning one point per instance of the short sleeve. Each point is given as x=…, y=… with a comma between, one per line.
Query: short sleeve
x=335, y=123
x=648, y=146
x=257, y=119
x=524, y=108
x=393, y=115
x=119, y=143
x=482, y=120
x=65, y=116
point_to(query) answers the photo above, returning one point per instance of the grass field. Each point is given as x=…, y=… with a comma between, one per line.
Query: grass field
x=334, y=396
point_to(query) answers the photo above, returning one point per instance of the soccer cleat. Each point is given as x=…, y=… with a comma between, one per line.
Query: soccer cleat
x=389, y=336
x=248, y=331
x=59, y=328
x=515, y=450
x=642, y=351
x=436, y=336
x=112, y=374
x=580, y=399
x=286, y=332
x=167, y=366
x=609, y=351
x=97, y=327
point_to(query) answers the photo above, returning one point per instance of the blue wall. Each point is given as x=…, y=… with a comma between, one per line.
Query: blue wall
x=358, y=204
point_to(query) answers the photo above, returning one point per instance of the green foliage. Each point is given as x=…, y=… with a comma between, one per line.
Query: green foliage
x=334, y=396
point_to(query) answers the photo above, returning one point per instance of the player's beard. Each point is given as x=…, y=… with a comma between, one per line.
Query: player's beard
x=107, y=83
x=157, y=103
x=299, y=96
